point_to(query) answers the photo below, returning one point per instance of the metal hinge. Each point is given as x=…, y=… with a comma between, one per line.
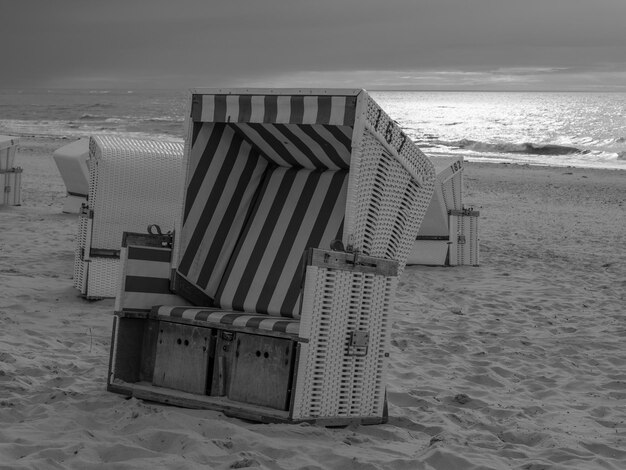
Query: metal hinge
x=358, y=343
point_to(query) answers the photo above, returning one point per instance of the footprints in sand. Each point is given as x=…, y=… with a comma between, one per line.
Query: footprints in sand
x=516, y=357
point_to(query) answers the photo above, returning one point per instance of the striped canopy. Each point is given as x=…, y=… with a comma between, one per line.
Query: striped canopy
x=312, y=132
x=267, y=178
x=323, y=108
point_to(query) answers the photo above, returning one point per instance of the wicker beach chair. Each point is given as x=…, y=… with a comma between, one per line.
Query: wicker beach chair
x=71, y=161
x=300, y=209
x=8, y=149
x=448, y=235
x=10, y=176
x=11, y=187
x=132, y=183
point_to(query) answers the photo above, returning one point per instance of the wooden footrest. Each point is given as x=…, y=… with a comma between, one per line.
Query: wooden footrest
x=202, y=360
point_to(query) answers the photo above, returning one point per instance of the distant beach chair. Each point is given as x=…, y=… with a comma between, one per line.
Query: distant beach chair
x=10, y=176
x=449, y=232
x=287, y=325
x=11, y=187
x=8, y=147
x=132, y=183
x=71, y=161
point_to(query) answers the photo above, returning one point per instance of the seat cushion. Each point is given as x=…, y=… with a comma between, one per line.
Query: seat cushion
x=296, y=209
x=224, y=319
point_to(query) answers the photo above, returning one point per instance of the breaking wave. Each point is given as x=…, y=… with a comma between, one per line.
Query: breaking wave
x=510, y=147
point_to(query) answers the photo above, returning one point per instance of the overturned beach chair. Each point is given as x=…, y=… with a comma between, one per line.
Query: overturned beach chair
x=132, y=183
x=448, y=235
x=300, y=209
x=71, y=161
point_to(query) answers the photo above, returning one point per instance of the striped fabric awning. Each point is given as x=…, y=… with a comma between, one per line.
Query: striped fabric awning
x=295, y=210
x=256, y=267
x=336, y=110
x=308, y=131
x=312, y=146
x=267, y=178
x=225, y=175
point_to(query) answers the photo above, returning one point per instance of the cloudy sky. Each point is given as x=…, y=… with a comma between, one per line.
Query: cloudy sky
x=374, y=44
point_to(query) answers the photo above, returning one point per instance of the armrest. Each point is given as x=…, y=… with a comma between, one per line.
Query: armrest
x=347, y=304
x=351, y=261
x=347, y=284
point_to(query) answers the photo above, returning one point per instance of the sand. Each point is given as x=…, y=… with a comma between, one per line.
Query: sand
x=519, y=363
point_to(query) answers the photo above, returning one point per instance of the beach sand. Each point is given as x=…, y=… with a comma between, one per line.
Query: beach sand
x=518, y=363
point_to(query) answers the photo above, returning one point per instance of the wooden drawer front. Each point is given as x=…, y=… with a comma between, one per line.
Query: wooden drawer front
x=183, y=357
x=254, y=369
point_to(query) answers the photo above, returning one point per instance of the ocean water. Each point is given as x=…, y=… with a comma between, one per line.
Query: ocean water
x=555, y=129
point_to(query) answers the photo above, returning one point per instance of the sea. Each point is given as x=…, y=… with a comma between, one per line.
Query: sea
x=578, y=129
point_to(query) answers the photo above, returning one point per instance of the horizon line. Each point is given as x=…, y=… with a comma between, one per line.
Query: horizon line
x=386, y=89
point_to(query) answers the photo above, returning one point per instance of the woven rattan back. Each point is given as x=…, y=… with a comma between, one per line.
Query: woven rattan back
x=133, y=183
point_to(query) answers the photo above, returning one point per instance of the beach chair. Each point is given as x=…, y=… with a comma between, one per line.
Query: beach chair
x=448, y=235
x=11, y=187
x=300, y=209
x=8, y=148
x=132, y=183
x=10, y=176
x=464, y=241
x=71, y=161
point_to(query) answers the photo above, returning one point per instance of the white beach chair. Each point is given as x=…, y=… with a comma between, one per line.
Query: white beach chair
x=132, y=183
x=449, y=232
x=11, y=187
x=71, y=161
x=287, y=325
x=10, y=176
x=8, y=148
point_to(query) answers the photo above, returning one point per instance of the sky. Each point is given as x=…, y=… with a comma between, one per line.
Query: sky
x=373, y=44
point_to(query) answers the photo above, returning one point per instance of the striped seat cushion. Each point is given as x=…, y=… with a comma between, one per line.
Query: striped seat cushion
x=295, y=210
x=221, y=318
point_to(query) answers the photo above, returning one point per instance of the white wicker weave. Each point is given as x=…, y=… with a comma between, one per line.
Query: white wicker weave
x=133, y=183
x=80, y=266
x=11, y=187
x=103, y=277
x=464, y=246
x=330, y=382
x=450, y=178
x=8, y=148
x=386, y=203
